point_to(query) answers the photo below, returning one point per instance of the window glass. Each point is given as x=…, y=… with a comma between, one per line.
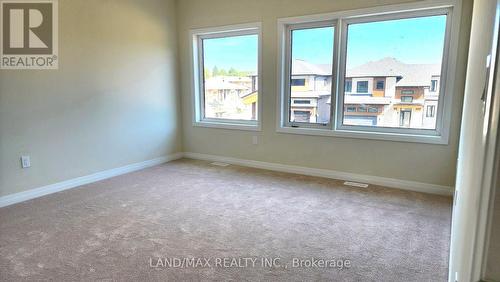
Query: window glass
x=230, y=77
x=362, y=87
x=430, y=110
x=406, y=99
x=380, y=85
x=302, y=102
x=298, y=82
x=403, y=58
x=311, y=74
x=434, y=85
x=348, y=86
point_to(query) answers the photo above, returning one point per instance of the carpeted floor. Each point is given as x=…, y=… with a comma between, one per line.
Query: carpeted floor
x=129, y=228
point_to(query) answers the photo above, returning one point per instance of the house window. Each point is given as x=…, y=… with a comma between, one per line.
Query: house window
x=362, y=87
x=397, y=69
x=314, y=61
x=226, y=71
x=298, y=82
x=407, y=92
x=348, y=86
x=407, y=99
x=361, y=109
x=380, y=85
x=302, y=102
x=434, y=85
x=431, y=111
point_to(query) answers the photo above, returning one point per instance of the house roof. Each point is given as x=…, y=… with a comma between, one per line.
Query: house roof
x=219, y=83
x=409, y=74
x=301, y=67
x=419, y=75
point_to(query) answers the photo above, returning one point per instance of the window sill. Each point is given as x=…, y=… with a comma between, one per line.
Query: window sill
x=251, y=126
x=397, y=137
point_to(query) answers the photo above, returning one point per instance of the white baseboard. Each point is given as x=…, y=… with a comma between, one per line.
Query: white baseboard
x=375, y=180
x=75, y=182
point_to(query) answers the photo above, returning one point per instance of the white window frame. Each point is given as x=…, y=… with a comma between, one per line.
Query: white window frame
x=197, y=36
x=288, y=68
x=452, y=8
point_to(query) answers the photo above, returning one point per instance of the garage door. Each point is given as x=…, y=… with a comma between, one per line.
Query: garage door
x=360, y=120
x=302, y=116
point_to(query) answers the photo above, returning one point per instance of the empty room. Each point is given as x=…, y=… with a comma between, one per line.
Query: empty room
x=237, y=140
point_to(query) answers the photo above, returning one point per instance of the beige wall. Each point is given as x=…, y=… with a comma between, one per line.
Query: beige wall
x=418, y=162
x=492, y=272
x=114, y=100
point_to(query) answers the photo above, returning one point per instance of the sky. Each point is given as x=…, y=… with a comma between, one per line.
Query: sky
x=416, y=40
x=239, y=52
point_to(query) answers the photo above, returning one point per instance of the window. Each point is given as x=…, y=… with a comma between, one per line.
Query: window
x=402, y=50
x=362, y=87
x=408, y=48
x=310, y=55
x=434, y=85
x=348, y=86
x=430, y=111
x=302, y=102
x=226, y=75
x=407, y=92
x=380, y=85
x=298, y=82
x=407, y=99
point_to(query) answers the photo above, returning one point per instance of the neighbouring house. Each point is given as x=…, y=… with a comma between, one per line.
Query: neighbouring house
x=250, y=99
x=223, y=97
x=385, y=93
x=311, y=87
x=390, y=93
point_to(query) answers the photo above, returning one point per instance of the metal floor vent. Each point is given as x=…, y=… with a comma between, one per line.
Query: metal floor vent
x=219, y=164
x=356, y=184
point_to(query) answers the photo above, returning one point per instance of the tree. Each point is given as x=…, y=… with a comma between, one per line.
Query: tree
x=207, y=73
x=215, y=71
x=222, y=72
x=233, y=72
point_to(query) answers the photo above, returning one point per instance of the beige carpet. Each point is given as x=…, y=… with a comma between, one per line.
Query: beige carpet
x=115, y=229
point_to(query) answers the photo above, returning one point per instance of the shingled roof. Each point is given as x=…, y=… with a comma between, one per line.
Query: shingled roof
x=301, y=67
x=409, y=74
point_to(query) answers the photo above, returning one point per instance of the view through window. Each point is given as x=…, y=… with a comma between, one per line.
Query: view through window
x=395, y=66
x=311, y=74
x=230, y=77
